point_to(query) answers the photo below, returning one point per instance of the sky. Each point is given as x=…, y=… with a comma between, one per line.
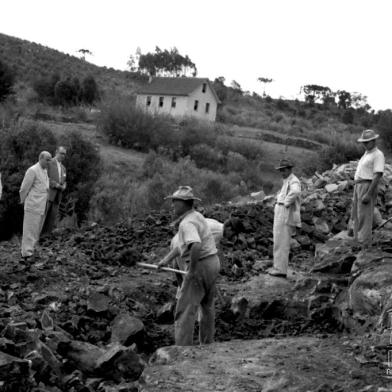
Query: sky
x=342, y=44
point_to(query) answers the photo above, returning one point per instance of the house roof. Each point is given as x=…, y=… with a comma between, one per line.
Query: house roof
x=175, y=86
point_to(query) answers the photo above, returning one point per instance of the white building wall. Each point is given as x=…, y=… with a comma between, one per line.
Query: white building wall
x=184, y=105
x=203, y=98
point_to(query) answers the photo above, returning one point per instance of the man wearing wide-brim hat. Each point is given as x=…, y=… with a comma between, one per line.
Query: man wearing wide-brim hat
x=199, y=253
x=367, y=176
x=287, y=217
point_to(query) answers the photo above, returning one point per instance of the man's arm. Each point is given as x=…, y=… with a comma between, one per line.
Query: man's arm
x=175, y=252
x=27, y=183
x=372, y=188
x=195, y=255
x=294, y=192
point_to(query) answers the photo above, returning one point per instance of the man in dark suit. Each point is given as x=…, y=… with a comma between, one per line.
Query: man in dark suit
x=57, y=184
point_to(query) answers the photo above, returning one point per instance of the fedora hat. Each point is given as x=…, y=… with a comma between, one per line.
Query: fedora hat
x=367, y=136
x=183, y=192
x=283, y=163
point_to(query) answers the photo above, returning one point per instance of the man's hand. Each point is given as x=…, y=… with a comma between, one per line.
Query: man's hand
x=366, y=199
x=162, y=263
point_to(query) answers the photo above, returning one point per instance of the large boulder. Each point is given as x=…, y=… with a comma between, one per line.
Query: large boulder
x=127, y=329
x=288, y=364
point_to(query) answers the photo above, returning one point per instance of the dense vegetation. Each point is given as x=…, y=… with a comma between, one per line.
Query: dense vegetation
x=19, y=149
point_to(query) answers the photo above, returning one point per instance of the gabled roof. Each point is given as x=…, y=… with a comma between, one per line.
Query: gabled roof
x=175, y=86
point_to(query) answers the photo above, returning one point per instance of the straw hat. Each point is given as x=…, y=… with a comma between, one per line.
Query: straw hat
x=283, y=163
x=367, y=136
x=184, y=192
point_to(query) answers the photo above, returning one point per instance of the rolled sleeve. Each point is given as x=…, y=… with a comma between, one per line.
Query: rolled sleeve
x=189, y=234
x=379, y=163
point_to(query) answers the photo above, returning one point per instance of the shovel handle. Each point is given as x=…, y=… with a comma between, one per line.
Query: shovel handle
x=154, y=266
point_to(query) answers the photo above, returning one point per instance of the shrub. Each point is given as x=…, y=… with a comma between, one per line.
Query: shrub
x=384, y=126
x=249, y=148
x=89, y=93
x=235, y=162
x=207, y=157
x=194, y=132
x=83, y=169
x=7, y=78
x=19, y=150
x=129, y=127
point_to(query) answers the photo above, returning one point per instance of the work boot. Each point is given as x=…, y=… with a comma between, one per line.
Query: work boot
x=276, y=273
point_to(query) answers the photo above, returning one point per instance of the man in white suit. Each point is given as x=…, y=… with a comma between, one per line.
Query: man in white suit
x=34, y=195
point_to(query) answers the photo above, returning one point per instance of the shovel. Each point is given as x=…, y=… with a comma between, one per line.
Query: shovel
x=154, y=266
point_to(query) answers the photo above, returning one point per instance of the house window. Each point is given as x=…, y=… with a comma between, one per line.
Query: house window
x=204, y=89
x=148, y=101
x=160, y=102
x=207, y=107
x=196, y=105
x=173, y=102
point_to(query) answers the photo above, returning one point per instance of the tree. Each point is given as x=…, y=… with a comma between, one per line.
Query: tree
x=359, y=102
x=265, y=81
x=84, y=52
x=315, y=93
x=344, y=99
x=90, y=92
x=220, y=88
x=236, y=86
x=7, y=78
x=163, y=63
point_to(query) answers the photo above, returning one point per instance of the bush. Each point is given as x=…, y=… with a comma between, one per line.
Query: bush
x=7, y=79
x=249, y=148
x=207, y=157
x=83, y=166
x=384, y=126
x=19, y=150
x=90, y=92
x=129, y=127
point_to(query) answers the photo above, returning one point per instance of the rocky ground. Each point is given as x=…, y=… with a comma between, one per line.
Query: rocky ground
x=81, y=318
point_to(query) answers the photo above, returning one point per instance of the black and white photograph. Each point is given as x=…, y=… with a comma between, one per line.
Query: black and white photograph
x=195, y=196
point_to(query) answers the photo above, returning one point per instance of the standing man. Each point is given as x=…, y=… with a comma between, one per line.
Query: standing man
x=367, y=176
x=34, y=195
x=287, y=217
x=199, y=254
x=57, y=185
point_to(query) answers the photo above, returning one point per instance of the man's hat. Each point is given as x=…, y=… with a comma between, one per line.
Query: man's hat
x=283, y=163
x=367, y=136
x=184, y=192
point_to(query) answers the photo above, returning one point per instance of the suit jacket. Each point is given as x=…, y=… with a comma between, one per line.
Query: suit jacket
x=292, y=201
x=55, y=194
x=34, y=189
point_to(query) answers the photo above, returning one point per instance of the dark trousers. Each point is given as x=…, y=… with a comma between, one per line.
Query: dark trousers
x=52, y=217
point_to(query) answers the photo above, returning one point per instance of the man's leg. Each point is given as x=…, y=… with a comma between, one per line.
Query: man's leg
x=31, y=229
x=210, y=270
x=190, y=296
x=365, y=216
x=51, y=219
x=281, y=234
x=354, y=212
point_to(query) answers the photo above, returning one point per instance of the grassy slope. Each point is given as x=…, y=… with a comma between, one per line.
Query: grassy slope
x=32, y=61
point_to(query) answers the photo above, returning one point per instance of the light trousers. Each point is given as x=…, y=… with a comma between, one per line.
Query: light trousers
x=282, y=233
x=195, y=293
x=362, y=214
x=32, y=226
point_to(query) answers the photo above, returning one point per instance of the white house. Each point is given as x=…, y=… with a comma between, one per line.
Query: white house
x=179, y=97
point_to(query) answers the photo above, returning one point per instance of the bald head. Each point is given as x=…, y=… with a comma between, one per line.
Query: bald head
x=44, y=159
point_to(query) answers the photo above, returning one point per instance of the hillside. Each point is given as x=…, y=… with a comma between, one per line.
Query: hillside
x=32, y=61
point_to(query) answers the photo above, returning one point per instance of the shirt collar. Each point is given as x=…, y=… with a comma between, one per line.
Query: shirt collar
x=178, y=220
x=372, y=150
